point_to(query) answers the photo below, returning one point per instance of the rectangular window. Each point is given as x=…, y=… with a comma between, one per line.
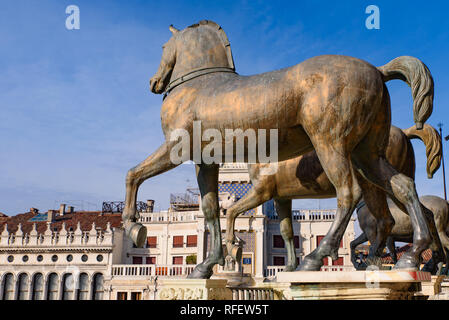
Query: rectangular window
x=151, y=242
x=338, y=262
x=192, y=241
x=178, y=260
x=318, y=240
x=150, y=260
x=341, y=243
x=246, y=260
x=178, y=241
x=136, y=295
x=296, y=241
x=279, y=261
x=137, y=260
x=278, y=242
x=122, y=295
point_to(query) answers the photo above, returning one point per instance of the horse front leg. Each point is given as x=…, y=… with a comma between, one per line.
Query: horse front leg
x=256, y=196
x=155, y=164
x=207, y=176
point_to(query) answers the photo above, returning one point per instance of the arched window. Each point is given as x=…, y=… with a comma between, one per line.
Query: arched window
x=8, y=287
x=83, y=291
x=97, y=292
x=52, y=287
x=23, y=287
x=38, y=286
x=68, y=284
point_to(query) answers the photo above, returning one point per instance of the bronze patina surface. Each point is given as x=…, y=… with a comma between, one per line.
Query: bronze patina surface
x=304, y=178
x=403, y=229
x=337, y=105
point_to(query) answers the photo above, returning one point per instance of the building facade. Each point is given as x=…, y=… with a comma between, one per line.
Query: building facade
x=73, y=255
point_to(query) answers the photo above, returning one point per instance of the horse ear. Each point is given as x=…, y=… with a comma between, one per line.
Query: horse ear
x=173, y=29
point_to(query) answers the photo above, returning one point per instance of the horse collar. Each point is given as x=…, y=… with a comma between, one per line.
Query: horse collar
x=195, y=74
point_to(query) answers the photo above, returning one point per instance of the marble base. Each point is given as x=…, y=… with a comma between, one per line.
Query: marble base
x=352, y=285
x=235, y=278
x=442, y=286
x=194, y=289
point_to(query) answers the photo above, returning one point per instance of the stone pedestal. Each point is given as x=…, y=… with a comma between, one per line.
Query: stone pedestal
x=194, y=289
x=432, y=287
x=234, y=279
x=441, y=284
x=352, y=285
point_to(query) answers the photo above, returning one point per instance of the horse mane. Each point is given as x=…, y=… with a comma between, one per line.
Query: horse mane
x=222, y=35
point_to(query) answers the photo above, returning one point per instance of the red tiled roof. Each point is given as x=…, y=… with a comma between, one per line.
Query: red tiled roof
x=426, y=255
x=86, y=218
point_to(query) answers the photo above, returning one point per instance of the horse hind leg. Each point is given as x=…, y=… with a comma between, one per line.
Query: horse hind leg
x=284, y=210
x=362, y=238
x=376, y=201
x=338, y=167
x=369, y=158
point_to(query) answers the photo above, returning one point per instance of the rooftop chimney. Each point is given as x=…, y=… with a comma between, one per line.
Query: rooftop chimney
x=51, y=214
x=62, y=209
x=150, y=205
x=70, y=209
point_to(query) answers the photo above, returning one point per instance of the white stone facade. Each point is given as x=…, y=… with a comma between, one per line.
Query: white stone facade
x=101, y=263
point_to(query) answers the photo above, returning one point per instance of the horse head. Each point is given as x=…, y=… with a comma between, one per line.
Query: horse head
x=199, y=46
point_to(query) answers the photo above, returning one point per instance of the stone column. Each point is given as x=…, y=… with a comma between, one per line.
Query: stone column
x=259, y=263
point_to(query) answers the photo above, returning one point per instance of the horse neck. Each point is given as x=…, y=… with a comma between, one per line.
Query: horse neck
x=207, y=53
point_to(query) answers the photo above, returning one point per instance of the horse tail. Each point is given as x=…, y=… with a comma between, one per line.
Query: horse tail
x=432, y=140
x=416, y=74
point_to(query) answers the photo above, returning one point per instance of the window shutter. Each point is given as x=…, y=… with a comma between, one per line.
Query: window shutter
x=278, y=242
x=178, y=241
x=318, y=240
x=279, y=261
x=338, y=262
x=192, y=241
x=296, y=241
x=151, y=242
x=150, y=260
x=177, y=260
x=137, y=260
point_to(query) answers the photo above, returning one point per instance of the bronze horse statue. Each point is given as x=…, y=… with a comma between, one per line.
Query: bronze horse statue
x=304, y=178
x=403, y=230
x=338, y=106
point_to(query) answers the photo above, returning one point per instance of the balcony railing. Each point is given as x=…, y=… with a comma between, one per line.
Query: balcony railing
x=133, y=270
x=271, y=271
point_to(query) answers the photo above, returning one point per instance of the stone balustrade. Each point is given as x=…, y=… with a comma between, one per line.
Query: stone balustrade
x=140, y=271
x=310, y=215
x=62, y=238
x=168, y=216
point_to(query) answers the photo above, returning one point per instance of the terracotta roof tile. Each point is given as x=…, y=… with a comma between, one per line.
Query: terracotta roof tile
x=86, y=218
x=426, y=255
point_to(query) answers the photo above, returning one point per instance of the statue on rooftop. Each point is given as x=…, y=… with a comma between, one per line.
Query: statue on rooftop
x=338, y=106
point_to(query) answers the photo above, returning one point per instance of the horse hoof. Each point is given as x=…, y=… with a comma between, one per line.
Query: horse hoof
x=199, y=273
x=406, y=262
x=310, y=264
x=236, y=253
x=137, y=233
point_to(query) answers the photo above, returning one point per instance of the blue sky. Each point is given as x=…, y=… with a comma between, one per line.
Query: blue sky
x=76, y=111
